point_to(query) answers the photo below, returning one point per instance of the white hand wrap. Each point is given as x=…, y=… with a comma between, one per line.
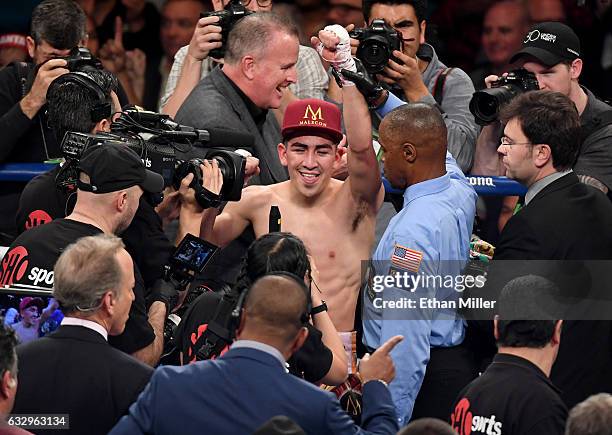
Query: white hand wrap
x=343, y=58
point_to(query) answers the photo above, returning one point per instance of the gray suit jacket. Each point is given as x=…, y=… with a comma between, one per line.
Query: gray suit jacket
x=214, y=103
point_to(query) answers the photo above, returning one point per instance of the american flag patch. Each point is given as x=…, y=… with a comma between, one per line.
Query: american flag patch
x=406, y=258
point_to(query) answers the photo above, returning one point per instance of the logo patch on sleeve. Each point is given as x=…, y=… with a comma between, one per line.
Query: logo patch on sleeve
x=406, y=258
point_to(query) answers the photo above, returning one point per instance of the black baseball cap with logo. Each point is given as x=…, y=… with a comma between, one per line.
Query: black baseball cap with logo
x=113, y=167
x=550, y=43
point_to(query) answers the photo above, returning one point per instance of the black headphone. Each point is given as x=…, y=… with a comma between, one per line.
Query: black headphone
x=237, y=312
x=103, y=108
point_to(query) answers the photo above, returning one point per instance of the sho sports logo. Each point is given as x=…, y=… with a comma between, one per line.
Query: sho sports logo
x=14, y=265
x=39, y=276
x=465, y=423
x=36, y=218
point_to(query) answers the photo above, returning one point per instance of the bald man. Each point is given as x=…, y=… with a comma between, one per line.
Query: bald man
x=248, y=385
x=430, y=236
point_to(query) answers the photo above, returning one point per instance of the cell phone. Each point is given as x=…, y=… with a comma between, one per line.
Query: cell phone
x=193, y=254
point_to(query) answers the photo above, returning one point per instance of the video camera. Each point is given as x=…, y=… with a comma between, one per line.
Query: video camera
x=376, y=45
x=485, y=104
x=156, y=139
x=228, y=17
x=188, y=260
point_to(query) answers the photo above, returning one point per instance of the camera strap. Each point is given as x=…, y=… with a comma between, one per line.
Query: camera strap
x=217, y=335
x=595, y=124
x=438, y=90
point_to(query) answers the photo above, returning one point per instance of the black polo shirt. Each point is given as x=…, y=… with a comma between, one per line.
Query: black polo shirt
x=512, y=397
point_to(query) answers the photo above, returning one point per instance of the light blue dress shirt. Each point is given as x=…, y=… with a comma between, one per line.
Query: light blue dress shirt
x=435, y=223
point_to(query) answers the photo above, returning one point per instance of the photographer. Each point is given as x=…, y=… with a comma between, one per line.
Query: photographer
x=112, y=178
x=88, y=106
x=193, y=63
x=57, y=27
x=415, y=73
x=551, y=51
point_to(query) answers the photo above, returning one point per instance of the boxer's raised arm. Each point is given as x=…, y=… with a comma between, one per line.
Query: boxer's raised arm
x=364, y=174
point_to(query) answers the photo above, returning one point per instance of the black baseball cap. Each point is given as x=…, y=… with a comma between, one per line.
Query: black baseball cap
x=113, y=167
x=550, y=43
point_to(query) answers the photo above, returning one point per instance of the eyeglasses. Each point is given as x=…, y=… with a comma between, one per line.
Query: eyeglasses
x=260, y=3
x=507, y=142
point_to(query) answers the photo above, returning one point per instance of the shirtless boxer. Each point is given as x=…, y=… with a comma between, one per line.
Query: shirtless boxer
x=335, y=219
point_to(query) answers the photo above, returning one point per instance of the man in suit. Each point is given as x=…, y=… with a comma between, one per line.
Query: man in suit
x=562, y=219
x=248, y=385
x=260, y=59
x=74, y=370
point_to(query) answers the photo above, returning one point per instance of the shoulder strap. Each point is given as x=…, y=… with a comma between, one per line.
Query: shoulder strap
x=23, y=72
x=438, y=92
x=217, y=335
x=598, y=122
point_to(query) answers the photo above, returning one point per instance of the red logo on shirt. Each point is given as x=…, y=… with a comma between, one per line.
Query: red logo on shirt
x=194, y=339
x=36, y=218
x=461, y=418
x=14, y=265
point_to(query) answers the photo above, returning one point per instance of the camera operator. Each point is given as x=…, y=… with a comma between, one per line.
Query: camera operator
x=322, y=358
x=193, y=63
x=74, y=369
x=112, y=179
x=415, y=73
x=57, y=26
x=551, y=51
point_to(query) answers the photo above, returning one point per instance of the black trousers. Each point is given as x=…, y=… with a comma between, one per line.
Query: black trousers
x=449, y=370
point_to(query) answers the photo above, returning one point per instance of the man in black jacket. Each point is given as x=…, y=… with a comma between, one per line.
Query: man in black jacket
x=515, y=396
x=74, y=371
x=57, y=27
x=562, y=219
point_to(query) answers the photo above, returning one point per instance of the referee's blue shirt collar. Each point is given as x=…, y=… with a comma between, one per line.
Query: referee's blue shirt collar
x=426, y=187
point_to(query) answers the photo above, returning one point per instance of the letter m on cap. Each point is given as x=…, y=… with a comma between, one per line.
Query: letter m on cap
x=313, y=115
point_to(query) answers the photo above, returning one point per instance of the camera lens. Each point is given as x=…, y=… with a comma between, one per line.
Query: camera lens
x=485, y=104
x=374, y=52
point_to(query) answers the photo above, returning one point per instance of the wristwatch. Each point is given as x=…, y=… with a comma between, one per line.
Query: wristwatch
x=319, y=309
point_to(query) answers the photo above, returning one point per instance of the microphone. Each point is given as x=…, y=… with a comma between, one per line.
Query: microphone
x=275, y=220
x=227, y=138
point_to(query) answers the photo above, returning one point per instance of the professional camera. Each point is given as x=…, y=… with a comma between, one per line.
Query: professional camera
x=80, y=58
x=188, y=260
x=228, y=17
x=376, y=45
x=485, y=104
x=157, y=149
x=232, y=167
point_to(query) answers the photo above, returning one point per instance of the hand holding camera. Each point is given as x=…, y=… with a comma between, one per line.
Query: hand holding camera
x=404, y=71
x=201, y=187
x=228, y=17
x=206, y=38
x=37, y=97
